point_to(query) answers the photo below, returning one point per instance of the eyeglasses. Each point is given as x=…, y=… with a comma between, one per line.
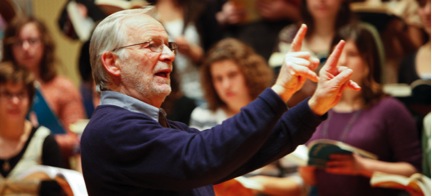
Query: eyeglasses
x=10, y=95
x=154, y=45
x=29, y=41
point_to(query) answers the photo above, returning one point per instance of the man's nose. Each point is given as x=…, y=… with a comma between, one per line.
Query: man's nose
x=167, y=54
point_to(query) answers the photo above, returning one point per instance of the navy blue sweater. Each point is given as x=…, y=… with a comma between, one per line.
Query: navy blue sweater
x=129, y=153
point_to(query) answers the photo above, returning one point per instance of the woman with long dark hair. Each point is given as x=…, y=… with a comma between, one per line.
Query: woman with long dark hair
x=367, y=119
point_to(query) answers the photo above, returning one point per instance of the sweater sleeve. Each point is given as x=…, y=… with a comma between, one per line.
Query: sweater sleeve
x=294, y=128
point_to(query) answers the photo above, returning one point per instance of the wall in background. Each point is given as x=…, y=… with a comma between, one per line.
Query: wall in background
x=67, y=50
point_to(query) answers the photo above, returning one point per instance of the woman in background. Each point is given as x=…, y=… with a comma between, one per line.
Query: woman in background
x=232, y=76
x=366, y=119
x=22, y=144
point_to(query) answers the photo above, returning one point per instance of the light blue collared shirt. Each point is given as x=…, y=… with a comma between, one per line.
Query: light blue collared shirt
x=129, y=103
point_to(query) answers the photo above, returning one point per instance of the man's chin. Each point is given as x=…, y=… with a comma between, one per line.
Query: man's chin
x=165, y=90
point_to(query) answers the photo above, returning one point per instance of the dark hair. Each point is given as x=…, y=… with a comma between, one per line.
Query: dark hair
x=84, y=66
x=344, y=16
x=368, y=48
x=10, y=73
x=422, y=3
x=47, y=69
x=257, y=73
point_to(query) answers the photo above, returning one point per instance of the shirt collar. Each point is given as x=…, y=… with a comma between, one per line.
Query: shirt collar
x=129, y=103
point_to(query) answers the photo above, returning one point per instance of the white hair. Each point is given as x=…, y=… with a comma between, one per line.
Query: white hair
x=109, y=34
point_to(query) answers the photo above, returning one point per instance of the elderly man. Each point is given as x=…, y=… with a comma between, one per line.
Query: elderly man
x=128, y=148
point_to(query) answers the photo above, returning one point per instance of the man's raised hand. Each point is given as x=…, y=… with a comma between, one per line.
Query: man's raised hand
x=333, y=79
x=297, y=67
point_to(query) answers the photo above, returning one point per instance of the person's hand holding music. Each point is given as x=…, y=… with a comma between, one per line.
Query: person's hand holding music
x=349, y=164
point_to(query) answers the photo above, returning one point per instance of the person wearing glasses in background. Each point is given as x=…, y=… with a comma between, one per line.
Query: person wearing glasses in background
x=23, y=145
x=29, y=44
x=128, y=148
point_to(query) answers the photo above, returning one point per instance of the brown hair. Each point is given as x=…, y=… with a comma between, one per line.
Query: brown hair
x=47, y=67
x=257, y=73
x=421, y=3
x=368, y=48
x=10, y=73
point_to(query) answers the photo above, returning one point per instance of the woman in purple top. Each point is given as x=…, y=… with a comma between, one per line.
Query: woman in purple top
x=367, y=119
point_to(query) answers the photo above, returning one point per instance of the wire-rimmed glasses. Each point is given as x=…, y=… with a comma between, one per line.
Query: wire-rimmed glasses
x=154, y=45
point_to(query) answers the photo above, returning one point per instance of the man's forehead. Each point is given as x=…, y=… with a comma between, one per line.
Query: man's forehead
x=146, y=28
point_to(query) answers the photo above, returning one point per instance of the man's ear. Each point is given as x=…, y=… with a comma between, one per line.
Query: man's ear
x=108, y=61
